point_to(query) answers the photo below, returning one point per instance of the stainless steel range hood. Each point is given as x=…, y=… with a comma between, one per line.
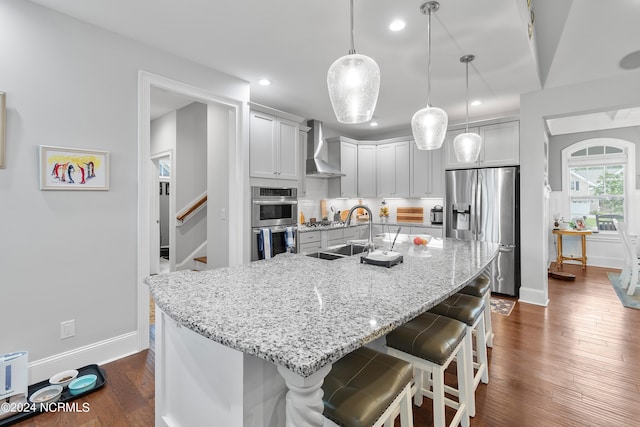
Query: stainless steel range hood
x=316, y=166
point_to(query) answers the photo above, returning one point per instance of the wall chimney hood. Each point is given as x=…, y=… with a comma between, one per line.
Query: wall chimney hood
x=316, y=166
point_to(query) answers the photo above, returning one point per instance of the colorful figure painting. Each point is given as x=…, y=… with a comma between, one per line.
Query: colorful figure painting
x=73, y=169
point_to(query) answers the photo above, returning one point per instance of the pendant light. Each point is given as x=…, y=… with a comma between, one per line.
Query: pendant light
x=467, y=145
x=429, y=125
x=354, y=82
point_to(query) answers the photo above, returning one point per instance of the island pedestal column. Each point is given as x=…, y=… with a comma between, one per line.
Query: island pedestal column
x=304, y=399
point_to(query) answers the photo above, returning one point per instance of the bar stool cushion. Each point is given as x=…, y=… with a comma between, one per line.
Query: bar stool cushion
x=464, y=308
x=477, y=288
x=362, y=385
x=428, y=336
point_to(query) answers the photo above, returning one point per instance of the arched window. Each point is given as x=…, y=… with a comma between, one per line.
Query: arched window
x=598, y=181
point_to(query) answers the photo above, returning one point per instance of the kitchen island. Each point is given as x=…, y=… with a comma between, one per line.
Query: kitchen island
x=231, y=341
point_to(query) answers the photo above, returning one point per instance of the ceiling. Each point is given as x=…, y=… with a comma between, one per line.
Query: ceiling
x=293, y=43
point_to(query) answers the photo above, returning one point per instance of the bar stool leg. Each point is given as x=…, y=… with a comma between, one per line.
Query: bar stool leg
x=438, y=398
x=481, y=352
x=468, y=366
x=487, y=319
x=465, y=382
x=418, y=378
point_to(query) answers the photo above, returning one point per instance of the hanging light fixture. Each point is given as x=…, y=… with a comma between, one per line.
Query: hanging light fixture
x=429, y=125
x=467, y=145
x=354, y=82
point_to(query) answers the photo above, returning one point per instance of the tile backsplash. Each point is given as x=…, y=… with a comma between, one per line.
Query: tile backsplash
x=317, y=189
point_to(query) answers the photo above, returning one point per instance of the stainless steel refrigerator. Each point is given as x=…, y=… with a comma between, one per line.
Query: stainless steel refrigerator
x=483, y=204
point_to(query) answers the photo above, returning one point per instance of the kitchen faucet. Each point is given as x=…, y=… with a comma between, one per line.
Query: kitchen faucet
x=370, y=246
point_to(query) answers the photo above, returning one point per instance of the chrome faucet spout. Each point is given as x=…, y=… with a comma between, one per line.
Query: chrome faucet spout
x=370, y=245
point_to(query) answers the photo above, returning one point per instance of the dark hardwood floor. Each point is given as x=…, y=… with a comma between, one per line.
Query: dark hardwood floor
x=573, y=363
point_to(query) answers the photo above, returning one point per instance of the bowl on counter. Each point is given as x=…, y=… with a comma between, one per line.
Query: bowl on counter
x=46, y=395
x=423, y=237
x=82, y=384
x=63, y=378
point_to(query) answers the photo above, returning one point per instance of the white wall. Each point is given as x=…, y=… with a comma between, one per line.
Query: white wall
x=605, y=94
x=72, y=255
x=218, y=182
x=190, y=178
x=163, y=133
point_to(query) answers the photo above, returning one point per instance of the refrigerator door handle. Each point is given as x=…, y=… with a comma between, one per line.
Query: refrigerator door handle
x=478, y=208
x=507, y=248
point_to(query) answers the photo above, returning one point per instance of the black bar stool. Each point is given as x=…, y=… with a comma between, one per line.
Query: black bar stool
x=480, y=287
x=431, y=342
x=470, y=311
x=368, y=388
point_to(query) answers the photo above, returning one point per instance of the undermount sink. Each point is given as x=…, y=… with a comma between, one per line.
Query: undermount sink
x=350, y=249
x=325, y=255
x=343, y=251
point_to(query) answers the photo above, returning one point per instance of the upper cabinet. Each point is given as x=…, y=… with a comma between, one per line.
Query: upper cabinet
x=388, y=168
x=392, y=169
x=366, y=171
x=274, y=147
x=344, y=154
x=427, y=172
x=500, y=146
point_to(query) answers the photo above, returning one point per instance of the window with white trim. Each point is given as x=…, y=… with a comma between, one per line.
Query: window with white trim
x=600, y=174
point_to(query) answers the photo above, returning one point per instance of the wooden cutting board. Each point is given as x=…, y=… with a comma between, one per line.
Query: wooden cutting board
x=410, y=215
x=323, y=209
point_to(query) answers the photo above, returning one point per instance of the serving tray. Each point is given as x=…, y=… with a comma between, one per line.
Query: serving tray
x=381, y=261
x=64, y=397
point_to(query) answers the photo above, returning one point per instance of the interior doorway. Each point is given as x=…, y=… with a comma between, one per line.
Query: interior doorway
x=226, y=118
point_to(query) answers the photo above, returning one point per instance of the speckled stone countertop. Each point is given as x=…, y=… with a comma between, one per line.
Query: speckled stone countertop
x=302, y=312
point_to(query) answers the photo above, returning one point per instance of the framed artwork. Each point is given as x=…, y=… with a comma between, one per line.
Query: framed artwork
x=73, y=169
x=579, y=224
x=3, y=126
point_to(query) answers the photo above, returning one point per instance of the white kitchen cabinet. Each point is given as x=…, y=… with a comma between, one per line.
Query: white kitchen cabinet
x=392, y=169
x=335, y=237
x=274, y=147
x=500, y=146
x=366, y=171
x=344, y=154
x=426, y=172
x=352, y=233
x=309, y=241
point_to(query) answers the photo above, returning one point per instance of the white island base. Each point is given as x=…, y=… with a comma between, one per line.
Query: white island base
x=200, y=382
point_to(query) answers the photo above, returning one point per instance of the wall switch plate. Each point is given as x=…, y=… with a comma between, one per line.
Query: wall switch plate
x=67, y=329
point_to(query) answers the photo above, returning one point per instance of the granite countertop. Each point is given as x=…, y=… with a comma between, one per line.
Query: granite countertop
x=304, y=313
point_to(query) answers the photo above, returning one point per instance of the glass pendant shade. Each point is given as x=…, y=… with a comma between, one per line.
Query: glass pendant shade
x=467, y=147
x=354, y=84
x=429, y=127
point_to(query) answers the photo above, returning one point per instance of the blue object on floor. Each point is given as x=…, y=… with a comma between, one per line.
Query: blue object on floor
x=630, y=301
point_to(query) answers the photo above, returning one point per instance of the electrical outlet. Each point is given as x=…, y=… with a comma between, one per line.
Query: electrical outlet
x=67, y=329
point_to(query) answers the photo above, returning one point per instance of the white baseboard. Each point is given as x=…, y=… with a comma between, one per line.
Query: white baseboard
x=533, y=296
x=97, y=353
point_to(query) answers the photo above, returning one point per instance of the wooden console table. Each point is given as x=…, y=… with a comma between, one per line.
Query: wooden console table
x=583, y=235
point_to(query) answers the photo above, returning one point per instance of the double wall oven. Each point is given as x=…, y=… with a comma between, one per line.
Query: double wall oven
x=273, y=211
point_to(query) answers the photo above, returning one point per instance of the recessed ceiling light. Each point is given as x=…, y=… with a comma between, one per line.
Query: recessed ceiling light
x=476, y=102
x=373, y=124
x=264, y=82
x=397, y=25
